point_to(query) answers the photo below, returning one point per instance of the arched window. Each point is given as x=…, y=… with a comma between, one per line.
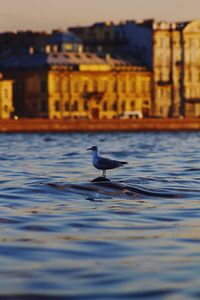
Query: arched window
x=75, y=106
x=115, y=106
x=133, y=105
x=123, y=106
x=57, y=105
x=105, y=106
x=85, y=106
x=95, y=86
x=115, y=86
x=6, y=108
x=67, y=106
x=85, y=86
x=124, y=86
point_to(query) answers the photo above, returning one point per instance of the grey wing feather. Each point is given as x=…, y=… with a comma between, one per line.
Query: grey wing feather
x=109, y=163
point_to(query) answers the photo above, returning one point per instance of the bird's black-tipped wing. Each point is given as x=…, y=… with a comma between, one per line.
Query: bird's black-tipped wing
x=108, y=164
x=123, y=162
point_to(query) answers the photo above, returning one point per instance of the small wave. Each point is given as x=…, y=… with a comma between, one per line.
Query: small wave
x=71, y=154
x=110, y=189
x=193, y=170
x=49, y=139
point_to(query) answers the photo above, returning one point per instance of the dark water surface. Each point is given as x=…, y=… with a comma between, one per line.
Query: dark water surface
x=64, y=237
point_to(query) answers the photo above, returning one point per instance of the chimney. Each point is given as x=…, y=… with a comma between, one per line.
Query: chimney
x=48, y=49
x=55, y=49
x=80, y=48
x=107, y=57
x=31, y=50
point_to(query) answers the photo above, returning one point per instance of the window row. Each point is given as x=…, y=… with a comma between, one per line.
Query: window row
x=192, y=42
x=192, y=92
x=95, y=86
x=106, y=106
x=124, y=86
x=193, y=76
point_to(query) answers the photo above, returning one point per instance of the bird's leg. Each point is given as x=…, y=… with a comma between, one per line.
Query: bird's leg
x=104, y=174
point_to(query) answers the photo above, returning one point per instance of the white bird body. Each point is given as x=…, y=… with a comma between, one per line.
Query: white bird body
x=102, y=163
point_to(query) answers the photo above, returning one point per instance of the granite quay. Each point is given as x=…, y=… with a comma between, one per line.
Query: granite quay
x=46, y=125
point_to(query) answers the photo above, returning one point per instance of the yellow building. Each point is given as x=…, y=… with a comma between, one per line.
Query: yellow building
x=176, y=65
x=80, y=85
x=6, y=98
x=191, y=70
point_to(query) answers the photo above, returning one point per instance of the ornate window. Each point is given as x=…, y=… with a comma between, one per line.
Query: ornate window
x=105, y=106
x=67, y=106
x=57, y=105
x=85, y=106
x=124, y=86
x=75, y=106
x=85, y=86
x=6, y=109
x=95, y=86
x=123, y=106
x=115, y=86
x=115, y=106
x=132, y=105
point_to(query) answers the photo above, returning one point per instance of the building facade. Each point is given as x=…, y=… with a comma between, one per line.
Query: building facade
x=167, y=68
x=191, y=69
x=78, y=85
x=177, y=69
x=161, y=55
x=170, y=50
x=6, y=98
x=99, y=92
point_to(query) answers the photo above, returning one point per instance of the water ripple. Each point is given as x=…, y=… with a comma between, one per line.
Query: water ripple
x=67, y=236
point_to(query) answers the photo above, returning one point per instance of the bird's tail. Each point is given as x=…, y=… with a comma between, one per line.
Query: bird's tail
x=123, y=162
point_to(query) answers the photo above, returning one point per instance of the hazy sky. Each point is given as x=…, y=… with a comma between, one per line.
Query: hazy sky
x=52, y=14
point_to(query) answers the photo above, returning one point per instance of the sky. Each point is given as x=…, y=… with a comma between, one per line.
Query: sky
x=59, y=14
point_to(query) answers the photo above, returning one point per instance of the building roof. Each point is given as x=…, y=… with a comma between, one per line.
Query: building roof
x=71, y=59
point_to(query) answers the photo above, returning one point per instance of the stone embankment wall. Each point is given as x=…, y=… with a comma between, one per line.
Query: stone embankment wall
x=45, y=125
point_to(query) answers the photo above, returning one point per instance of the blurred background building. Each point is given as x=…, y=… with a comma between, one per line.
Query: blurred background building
x=78, y=85
x=6, y=98
x=170, y=50
x=154, y=66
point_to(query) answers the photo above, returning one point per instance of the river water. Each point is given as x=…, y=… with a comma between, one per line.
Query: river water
x=63, y=236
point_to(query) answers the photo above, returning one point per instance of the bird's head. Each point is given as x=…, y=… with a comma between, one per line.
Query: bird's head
x=93, y=149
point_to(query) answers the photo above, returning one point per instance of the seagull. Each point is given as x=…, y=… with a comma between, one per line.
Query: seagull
x=102, y=163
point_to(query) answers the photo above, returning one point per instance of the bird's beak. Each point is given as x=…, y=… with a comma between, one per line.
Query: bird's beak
x=89, y=149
